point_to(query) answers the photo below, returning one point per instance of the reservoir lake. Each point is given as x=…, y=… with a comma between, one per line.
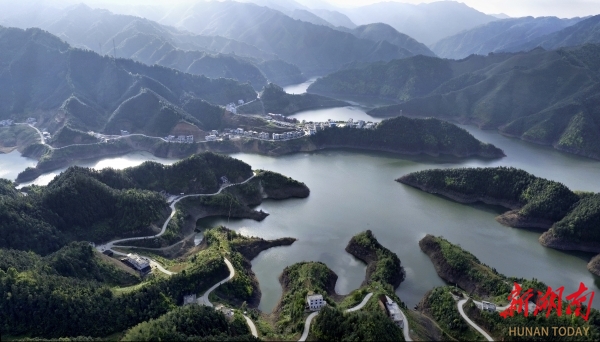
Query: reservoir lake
x=352, y=191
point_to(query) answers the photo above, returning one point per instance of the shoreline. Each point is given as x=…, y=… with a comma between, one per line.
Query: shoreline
x=70, y=155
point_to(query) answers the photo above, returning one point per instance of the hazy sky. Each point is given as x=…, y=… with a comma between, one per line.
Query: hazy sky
x=514, y=8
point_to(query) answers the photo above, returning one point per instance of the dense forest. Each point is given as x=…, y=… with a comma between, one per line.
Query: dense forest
x=51, y=305
x=406, y=135
x=192, y=323
x=581, y=227
x=536, y=198
x=334, y=325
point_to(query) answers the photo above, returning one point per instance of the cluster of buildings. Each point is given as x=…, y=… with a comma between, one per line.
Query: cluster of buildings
x=287, y=135
x=31, y=121
x=182, y=139
x=231, y=107
x=5, y=123
x=227, y=132
x=315, y=302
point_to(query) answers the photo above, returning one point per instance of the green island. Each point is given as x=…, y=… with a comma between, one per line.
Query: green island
x=473, y=281
x=396, y=135
x=273, y=99
x=569, y=219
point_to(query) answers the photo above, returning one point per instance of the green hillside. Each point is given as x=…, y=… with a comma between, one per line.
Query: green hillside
x=84, y=89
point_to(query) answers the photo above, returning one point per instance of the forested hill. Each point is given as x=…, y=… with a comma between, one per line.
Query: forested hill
x=84, y=204
x=44, y=75
x=315, y=49
x=531, y=197
x=275, y=100
x=410, y=136
x=546, y=97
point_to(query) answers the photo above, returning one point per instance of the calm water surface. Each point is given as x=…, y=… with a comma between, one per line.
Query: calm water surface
x=299, y=88
x=354, y=191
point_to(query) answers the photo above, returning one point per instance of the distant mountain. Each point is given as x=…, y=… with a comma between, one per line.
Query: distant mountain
x=315, y=49
x=584, y=32
x=501, y=15
x=380, y=31
x=546, y=97
x=426, y=22
x=44, y=77
x=334, y=17
x=499, y=35
x=309, y=17
x=151, y=43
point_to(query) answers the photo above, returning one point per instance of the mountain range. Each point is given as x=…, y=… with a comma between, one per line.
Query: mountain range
x=315, y=49
x=42, y=76
x=151, y=43
x=425, y=22
x=500, y=35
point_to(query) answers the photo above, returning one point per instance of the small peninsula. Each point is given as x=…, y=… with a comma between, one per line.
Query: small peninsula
x=534, y=202
x=382, y=264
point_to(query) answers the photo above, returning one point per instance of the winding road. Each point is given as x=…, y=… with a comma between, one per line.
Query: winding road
x=111, y=244
x=352, y=309
x=461, y=304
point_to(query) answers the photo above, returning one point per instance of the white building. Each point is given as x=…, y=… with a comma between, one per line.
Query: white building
x=263, y=135
x=332, y=124
x=170, y=138
x=214, y=132
x=487, y=306
x=231, y=108
x=211, y=137
x=181, y=138
x=142, y=265
x=31, y=120
x=315, y=302
x=189, y=139
x=370, y=125
x=123, y=132
x=360, y=124
x=239, y=131
x=6, y=123
x=240, y=102
x=394, y=312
